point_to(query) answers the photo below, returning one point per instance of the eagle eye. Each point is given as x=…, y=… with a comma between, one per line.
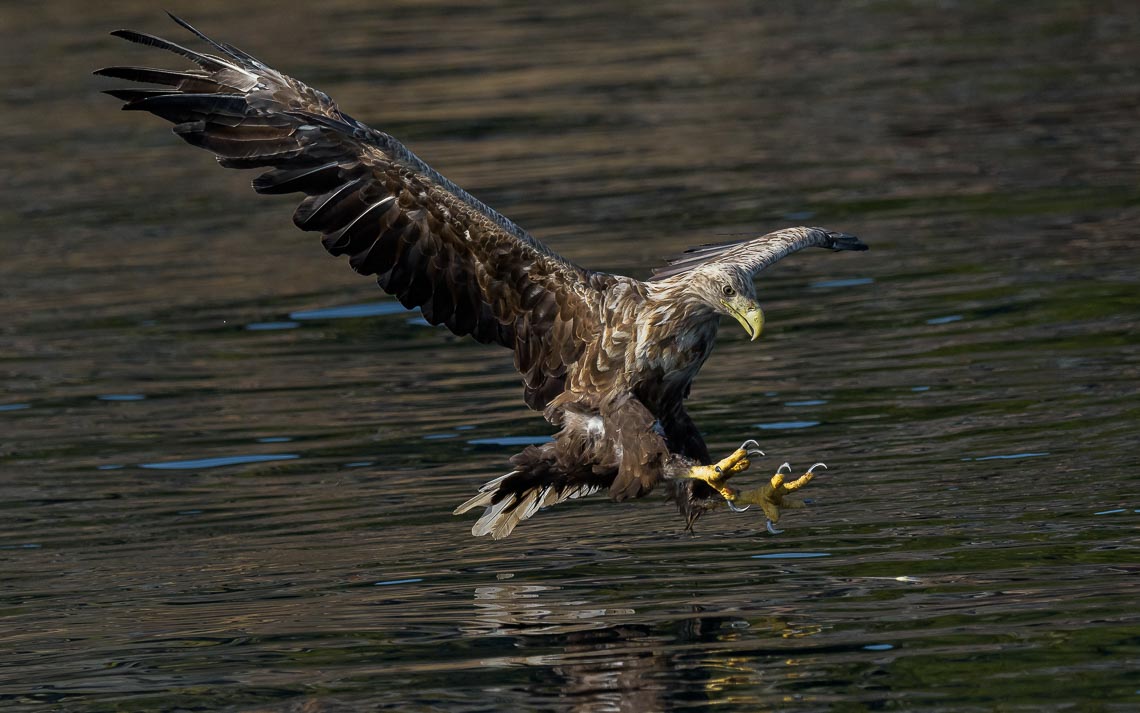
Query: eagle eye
x=728, y=291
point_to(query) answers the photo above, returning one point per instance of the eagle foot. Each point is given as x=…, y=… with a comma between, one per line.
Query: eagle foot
x=774, y=495
x=717, y=475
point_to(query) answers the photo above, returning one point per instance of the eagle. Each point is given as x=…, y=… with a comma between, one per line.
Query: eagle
x=609, y=360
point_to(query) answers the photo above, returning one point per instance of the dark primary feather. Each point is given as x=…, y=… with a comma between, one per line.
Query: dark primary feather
x=204, y=61
x=429, y=242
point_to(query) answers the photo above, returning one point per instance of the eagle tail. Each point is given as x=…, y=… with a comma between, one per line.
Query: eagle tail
x=519, y=494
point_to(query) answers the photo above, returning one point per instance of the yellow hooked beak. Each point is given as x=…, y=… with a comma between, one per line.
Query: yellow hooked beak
x=748, y=313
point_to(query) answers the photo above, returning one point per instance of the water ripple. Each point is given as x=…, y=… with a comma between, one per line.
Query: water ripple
x=853, y=282
x=203, y=463
x=790, y=555
x=1009, y=456
x=353, y=311
x=785, y=425
x=945, y=320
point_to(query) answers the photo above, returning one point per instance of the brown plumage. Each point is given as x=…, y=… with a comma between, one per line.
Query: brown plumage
x=607, y=358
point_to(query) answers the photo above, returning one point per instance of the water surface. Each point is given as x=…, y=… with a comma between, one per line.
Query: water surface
x=227, y=466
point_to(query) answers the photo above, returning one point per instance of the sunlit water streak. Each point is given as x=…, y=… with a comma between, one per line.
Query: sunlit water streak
x=228, y=465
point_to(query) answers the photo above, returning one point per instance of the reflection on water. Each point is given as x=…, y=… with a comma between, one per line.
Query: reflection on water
x=598, y=663
x=227, y=465
x=612, y=660
x=523, y=609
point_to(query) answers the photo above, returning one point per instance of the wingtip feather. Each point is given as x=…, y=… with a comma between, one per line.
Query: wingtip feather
x=844, y=241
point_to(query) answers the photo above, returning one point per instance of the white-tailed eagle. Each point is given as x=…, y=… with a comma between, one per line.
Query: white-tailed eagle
x=608, y=359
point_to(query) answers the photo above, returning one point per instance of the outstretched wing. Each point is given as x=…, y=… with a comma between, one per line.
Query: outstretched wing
x=755, y=254
x=429, y=242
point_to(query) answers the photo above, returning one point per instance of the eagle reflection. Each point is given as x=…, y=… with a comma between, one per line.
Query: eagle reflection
x=613, y=659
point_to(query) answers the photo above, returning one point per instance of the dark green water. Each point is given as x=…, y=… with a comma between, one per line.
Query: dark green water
x=213, y=499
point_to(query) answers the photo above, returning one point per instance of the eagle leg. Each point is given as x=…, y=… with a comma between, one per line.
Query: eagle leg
x=774, y=495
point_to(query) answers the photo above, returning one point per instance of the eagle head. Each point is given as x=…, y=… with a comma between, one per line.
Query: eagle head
x=727, y=289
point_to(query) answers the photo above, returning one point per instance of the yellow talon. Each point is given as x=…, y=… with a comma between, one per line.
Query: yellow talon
x=717, y=475
x=773, y=496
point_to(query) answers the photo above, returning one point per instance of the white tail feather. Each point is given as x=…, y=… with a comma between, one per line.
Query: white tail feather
x=486, y=493
x=499, y=519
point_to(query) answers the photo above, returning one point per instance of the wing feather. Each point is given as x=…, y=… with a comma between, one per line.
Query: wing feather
x=429, y=242
x=755, y=254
